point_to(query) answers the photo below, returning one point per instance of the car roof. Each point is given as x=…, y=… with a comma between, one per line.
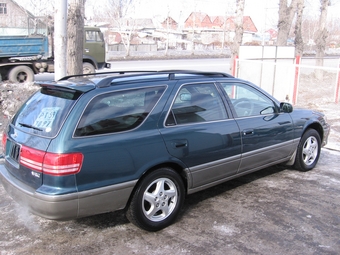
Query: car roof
x=84, y=83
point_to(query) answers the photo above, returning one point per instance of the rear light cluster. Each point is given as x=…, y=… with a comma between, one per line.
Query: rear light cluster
x=51, y=163
x=4, y=139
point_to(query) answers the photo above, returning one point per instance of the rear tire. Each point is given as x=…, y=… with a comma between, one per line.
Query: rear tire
x=157, y=200
x=20, y=74
x=308, y=151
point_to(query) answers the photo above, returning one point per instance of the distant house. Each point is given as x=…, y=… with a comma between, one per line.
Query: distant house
x=218, y=21
x=16, y=20
x=198, y=20
x=272, y=33
x=12, y=15
x=138, y=30
x=169, y=23
x=248, y=25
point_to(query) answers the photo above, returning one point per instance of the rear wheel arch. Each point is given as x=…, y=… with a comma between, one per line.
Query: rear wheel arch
x=176, y=167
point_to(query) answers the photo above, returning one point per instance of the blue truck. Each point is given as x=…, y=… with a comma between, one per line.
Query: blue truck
x=21, y=57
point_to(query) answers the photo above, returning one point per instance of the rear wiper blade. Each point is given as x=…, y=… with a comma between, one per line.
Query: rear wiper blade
x=30, y=126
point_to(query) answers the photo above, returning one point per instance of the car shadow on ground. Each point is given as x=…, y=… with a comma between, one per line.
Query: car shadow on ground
x=114, y=219
x=192, y=200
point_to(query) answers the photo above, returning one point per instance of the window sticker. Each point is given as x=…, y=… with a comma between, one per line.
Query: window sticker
x=46, y=117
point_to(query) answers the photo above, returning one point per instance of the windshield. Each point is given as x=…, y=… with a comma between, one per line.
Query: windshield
x=44, y=113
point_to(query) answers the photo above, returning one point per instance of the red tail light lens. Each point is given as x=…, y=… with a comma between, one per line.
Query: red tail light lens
x=51, y=163
x=62, y=164
x=4, y=139
x=32, y=158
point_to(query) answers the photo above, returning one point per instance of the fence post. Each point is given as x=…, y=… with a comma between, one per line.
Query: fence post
x=296, y=79
x=234, y=67
x=337, y=88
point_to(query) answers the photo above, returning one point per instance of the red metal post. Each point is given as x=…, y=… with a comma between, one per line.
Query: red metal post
x=234, y=67
x=337, y=89
x=296, y=79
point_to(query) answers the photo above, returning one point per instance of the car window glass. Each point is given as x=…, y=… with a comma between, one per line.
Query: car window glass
x=248, y=101
x=196, y=103
x=118, y=111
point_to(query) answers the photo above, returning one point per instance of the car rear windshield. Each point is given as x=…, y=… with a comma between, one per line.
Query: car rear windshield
x=44, y=113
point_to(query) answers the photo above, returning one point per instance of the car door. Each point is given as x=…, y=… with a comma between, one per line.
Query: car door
x=198, y=131
x=267, y=133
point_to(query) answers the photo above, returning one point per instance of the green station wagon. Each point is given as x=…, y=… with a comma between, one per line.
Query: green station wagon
x=142, y=141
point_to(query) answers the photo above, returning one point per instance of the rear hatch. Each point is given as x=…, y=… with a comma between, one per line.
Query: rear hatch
x=31, y=130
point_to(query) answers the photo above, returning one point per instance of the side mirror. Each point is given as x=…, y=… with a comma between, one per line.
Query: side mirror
x=286, y=107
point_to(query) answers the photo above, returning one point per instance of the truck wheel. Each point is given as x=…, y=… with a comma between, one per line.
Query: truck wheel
x=88, y=68
x=21, y=74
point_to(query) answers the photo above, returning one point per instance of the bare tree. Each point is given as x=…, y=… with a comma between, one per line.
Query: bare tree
x=321, y=36
x=286, y=16
x=235, y=47
x=75, y=37
x=116, y=13
x=298, y=30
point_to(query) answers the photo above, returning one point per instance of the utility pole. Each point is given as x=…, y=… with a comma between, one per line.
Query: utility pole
x=60, y=39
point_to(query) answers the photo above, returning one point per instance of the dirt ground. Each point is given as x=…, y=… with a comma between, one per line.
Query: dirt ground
x=274, y=211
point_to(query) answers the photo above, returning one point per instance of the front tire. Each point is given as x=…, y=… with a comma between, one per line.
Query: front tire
x=20, y=74
x=308, y=151
x=157, y=200
x=88, y=68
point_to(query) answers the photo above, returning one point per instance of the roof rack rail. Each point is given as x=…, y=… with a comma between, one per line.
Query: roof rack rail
x=174, y=72
x=101, y=73
x=105, y=82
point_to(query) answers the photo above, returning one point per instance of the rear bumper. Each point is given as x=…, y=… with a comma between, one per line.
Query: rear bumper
x=69, y=206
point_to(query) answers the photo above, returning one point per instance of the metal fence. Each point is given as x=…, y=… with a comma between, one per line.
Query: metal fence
x=294, y=80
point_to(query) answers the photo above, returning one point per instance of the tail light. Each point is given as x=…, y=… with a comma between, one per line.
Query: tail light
x=51, y=163
x=4, y=139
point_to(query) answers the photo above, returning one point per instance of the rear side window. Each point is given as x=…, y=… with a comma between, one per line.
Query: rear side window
x=196, y=103
x=44, y=113
x=118, y=111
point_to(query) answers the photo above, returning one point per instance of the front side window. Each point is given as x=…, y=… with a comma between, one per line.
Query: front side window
x=118, y=111
x=3, y=8
x=196, y=103
x=248, y=101
x=93, y=36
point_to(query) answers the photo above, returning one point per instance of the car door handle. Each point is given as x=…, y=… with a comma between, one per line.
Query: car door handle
x=248, y=132
x=180, y=143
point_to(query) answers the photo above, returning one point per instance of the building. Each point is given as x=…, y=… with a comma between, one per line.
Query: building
x=15, y=20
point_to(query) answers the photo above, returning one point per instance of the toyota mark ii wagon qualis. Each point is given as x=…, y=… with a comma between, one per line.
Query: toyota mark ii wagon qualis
x=92, y=144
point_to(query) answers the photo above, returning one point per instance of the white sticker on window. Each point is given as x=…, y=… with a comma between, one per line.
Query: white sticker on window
x=46, y=117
